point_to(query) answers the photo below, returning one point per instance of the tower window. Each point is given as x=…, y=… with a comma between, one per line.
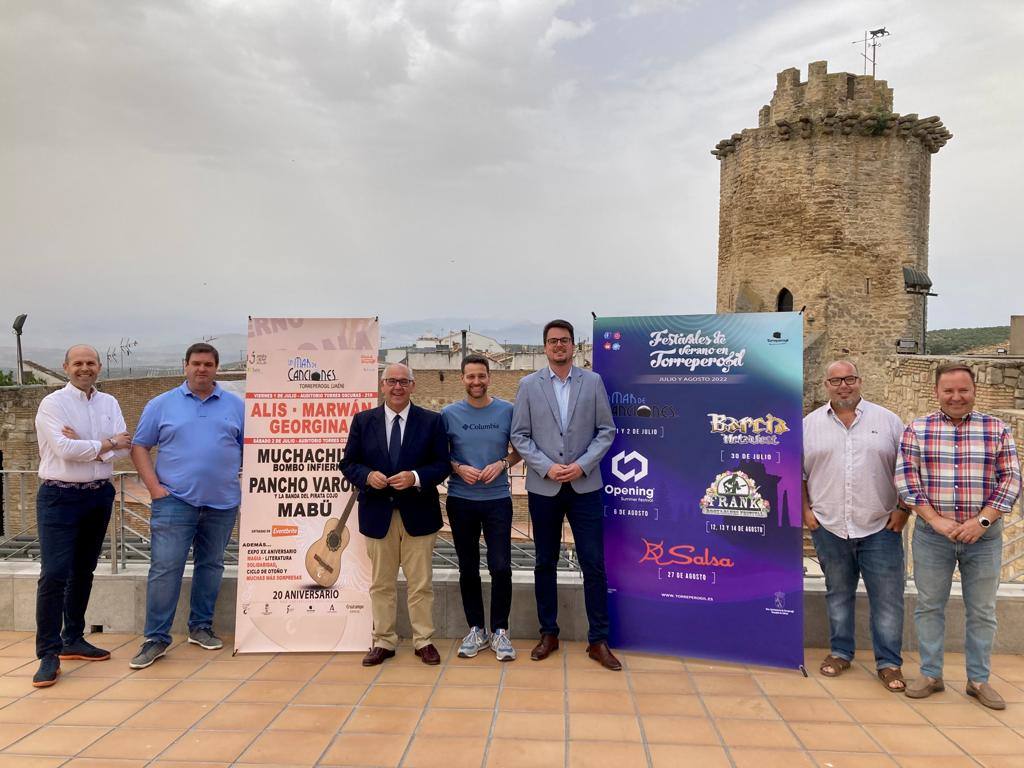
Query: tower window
x=784, y=303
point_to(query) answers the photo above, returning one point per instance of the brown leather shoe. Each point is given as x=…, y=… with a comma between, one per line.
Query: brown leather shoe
x=377, y=655
x=601, y=653
x=986, y=694
x=548, y=644
x=428, y=654
x=923, y=687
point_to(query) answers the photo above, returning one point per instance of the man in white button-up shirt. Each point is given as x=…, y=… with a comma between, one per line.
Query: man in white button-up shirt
x=851, y=508
x=80, y=432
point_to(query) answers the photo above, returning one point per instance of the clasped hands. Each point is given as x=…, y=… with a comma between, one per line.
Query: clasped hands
x=565, y=473
x=472, y=475
x=967, y=532
x=399, y=481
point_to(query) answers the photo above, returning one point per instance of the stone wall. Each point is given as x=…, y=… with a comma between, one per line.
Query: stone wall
x=828, y=198
x=910, y=382
x=19, y=450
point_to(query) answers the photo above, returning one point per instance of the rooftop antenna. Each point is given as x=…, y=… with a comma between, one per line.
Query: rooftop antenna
x=126, y=351
x=871, y=40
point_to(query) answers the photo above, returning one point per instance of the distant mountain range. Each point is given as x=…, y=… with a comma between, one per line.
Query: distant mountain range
x=145, y=358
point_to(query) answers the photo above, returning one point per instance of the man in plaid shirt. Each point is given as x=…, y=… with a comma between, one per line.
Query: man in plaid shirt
x=958, y=471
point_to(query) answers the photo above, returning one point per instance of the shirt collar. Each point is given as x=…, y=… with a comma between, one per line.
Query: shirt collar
x=858, y=409
x=404, y=413
x=189, y=393
x=967, y=417
x=553, y=375
x=75, y=392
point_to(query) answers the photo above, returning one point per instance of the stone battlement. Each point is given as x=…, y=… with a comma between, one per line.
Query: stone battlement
x=838, y=104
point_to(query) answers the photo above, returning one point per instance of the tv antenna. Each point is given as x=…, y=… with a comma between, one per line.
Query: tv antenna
x=126, y=351
x=872, y=39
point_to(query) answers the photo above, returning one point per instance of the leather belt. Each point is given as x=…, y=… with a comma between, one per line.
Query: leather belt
x=93, y=485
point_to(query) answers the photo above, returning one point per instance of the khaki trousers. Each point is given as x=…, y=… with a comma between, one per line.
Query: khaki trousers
x=415, y=556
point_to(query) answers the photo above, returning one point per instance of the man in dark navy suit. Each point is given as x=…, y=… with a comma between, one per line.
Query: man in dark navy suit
x=396, y=455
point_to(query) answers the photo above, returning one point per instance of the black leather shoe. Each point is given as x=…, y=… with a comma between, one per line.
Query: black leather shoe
x=548, y=644
x=83, y=650
x=428, y=654
x=377, y=655
x=601, y=653
x=49, y=668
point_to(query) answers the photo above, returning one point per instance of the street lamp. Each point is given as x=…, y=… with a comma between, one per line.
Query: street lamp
x=19, y=323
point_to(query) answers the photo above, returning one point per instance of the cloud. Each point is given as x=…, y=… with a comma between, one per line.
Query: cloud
x=194, y=163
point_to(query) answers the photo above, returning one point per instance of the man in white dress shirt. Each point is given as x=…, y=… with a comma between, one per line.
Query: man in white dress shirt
x=80, y=432
x=851, y=508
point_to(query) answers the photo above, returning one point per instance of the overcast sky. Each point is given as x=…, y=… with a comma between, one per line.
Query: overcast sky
x=171, y=167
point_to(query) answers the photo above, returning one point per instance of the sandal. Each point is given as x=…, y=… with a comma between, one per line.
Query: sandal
x=890, y=675
x=836, y=664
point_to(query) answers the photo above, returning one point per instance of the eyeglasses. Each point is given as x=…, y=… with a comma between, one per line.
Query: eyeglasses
x=561, y=342
x=835, y=381
x=398, y=382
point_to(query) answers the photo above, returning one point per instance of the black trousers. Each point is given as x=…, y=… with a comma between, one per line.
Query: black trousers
x=494, y=517
x=72, y=523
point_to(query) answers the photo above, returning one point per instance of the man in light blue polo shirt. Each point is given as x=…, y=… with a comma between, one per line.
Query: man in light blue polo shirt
x=197, y=429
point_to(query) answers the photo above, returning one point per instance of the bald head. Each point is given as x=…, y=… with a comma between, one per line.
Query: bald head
x=841, y=368
x=82, y=365
x=80, y=349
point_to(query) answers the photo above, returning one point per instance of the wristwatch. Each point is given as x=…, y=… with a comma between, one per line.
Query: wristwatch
x=985, y=522
x=504, y=463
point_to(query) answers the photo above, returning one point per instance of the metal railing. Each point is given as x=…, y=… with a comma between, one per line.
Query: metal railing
x=128, y=535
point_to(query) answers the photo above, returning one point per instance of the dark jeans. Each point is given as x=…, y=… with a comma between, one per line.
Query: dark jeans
x=467, y=517
x=586, y=519
x=72, y=523
x=877, y=558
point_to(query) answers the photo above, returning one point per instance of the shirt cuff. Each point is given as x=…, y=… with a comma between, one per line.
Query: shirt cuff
x=1000, y=506
x=417, y=476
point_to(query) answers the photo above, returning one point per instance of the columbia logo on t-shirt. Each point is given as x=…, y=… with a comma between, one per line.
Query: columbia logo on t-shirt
x=481, y=426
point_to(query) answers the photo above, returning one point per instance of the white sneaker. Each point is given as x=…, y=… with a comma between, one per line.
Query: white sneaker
x=473, y=643
x=501, y=644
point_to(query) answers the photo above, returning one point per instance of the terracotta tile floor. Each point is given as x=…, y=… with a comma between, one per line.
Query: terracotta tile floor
x=196, y=708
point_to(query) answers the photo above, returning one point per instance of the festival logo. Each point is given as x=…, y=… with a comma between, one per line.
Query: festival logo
x=306, y=369
x=682, y=554
x=621, y=459
x=630, y=468
x=630, y=405
x=733, y=494
x=748, y=430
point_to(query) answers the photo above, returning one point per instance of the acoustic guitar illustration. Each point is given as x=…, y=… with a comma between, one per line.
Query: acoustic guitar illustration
x=323, y=558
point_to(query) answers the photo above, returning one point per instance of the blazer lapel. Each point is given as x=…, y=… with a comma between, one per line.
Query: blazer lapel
x=380, y=429
x=575, y=386
x=548, y=388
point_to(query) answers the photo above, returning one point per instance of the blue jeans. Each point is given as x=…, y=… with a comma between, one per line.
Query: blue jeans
x=877, y=558
x=72, y=523
x=935, y=557
x=176, y=526
x=466, y=518
x=586, y=519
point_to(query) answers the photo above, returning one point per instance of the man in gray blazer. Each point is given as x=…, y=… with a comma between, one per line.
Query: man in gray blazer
x=562, y=426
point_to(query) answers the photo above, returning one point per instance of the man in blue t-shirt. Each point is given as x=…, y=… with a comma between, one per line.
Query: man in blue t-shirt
x=479, y=498
x=197, y=429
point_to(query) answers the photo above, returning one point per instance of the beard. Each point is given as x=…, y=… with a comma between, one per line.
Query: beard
x=846, y=402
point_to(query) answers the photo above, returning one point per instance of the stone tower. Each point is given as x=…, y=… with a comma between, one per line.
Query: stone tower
x=825, y=205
